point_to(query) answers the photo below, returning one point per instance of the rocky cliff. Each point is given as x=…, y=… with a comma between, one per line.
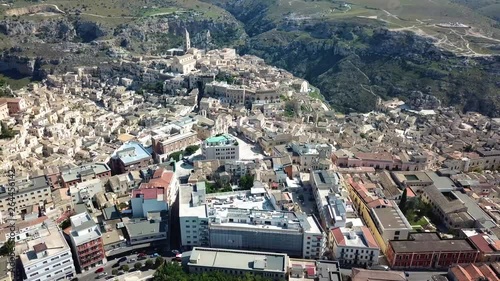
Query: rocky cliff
x=356, y=61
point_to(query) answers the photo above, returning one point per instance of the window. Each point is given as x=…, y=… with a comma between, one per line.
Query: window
x=396, y=233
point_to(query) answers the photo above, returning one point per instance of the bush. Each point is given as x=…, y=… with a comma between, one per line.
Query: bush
x=191, y=149
x=158, y=261
x=137, y=265
x=149, y=263
x=125, y=268
x=175, y=155
x=114, y=272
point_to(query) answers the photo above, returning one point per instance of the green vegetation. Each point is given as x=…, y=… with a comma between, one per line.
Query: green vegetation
x=173, y=272
x=8, y=247
x=176, y=155
x=125, y=267
x=114, y=271
x=7, y=133
x=65, y=224
x=246, y=181
x=416, y=210
x=138, y=265
x=149, y=263
x=159, y=261
x=191, y=149
x=217, y=187
x=404, y=201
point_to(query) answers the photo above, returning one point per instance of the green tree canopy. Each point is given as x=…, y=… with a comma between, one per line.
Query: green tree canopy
x=173, y=272
x=246, y=181
x=8, y=247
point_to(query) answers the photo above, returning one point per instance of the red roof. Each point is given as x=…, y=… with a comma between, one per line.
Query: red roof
x=481, y=243
x=148, y=193
x=370, y=240
x=311, y=271
x=338, y=236
x=161, y=178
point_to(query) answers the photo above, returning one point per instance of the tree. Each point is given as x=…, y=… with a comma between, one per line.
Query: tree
x=404, y=199
x=114, y=272
x=149, y=263
x=125, y=268
x=138, y=265
x=191, y=149
x=173, y=272
x=246, y=181
x=6, y=133
x=158, y=261
x=65, y=224
x=175, y=155
x=8, y=247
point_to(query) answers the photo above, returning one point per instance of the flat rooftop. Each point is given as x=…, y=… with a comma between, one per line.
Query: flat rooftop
x=240, y=260
x=145, y=227
x=430, y=242
x=221, y=140
x=131, y=152
x=51, y=240
x=391, y=218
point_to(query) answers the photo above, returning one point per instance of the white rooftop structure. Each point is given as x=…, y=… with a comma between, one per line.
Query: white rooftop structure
x=84, y=229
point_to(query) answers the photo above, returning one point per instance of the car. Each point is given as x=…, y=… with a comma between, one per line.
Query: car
x=122, y=259
x=141, y=255
x=380, y=267
x=99, y=270
x=102, y=274
x=176, y=252
x=154, y=255
x=120, y=273
x=109, y=277
x=132, y=260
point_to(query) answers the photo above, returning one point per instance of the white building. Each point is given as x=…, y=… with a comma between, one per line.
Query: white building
x=84, y=191
x=354, y=246
x=47, y=257
x=223, y=147
x=242, y=221
x=331, y=198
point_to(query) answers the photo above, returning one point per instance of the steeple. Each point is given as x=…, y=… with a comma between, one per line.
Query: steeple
x=188, y=41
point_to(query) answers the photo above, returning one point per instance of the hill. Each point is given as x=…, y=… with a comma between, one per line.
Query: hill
x=354, y=51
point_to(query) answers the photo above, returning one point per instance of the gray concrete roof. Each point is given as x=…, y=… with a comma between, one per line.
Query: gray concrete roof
x=235, y=259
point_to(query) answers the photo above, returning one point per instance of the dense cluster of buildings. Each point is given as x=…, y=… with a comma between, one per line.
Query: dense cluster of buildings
x=324, y=186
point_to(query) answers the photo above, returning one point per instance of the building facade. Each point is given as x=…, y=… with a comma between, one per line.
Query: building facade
x=86, y=242
x=272, y=266
x=47, y=257
x=354, y=246
x=429, y=250
x=223, y=147
x=72, y=176
x=129, y=157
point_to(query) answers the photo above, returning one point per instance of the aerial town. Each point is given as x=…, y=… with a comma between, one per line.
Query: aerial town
x=240, y=167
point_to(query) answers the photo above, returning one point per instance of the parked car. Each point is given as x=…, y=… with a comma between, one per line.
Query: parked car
x=141, y=255
x=122, y=259
x=154, y=255
x=120, y=273
x=110, y=277
x=102, y=274
x=132, y=260
x=380, y=267
x=99, y=270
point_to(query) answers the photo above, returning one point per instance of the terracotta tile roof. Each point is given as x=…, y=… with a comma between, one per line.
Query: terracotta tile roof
x=369, y=237
x=460, y=274
x=148, y=193
x=488, y=272
x=481, y=244
x=338, y=236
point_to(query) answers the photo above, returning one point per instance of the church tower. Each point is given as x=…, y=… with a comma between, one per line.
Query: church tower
x=188, y=41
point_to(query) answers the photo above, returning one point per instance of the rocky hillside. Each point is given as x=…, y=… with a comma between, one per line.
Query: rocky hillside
x=354, y=61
